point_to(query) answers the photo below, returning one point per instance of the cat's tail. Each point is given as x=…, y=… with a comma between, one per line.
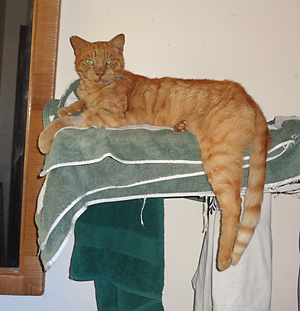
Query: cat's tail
x=254, y=195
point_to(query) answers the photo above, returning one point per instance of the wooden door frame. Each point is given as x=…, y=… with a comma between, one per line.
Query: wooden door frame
x=29, y=278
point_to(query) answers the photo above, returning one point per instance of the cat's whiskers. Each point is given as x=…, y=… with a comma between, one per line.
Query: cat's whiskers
x=117, y=77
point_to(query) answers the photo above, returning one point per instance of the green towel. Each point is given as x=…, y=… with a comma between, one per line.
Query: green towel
x=120, y=245
x=101, y=165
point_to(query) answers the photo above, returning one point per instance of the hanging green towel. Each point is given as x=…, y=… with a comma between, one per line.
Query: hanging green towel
x=120, y=245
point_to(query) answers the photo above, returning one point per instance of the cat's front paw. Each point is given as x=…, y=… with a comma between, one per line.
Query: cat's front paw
x=64, y=111
x=181, y=126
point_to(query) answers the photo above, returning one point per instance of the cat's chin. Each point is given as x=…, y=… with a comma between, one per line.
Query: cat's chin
x=101, y=82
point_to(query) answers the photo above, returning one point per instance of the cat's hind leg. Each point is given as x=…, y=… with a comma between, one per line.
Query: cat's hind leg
x=223, y=136
x=227, y=190
x=222, y=163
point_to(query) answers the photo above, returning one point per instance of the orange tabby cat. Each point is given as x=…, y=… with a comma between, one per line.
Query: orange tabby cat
x=224, y=118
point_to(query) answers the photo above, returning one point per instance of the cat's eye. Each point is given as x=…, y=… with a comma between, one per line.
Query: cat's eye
x=109, y=62
x=89, y=62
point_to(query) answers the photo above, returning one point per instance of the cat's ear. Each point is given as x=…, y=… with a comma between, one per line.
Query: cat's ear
x=118, y=42
x=78, y=44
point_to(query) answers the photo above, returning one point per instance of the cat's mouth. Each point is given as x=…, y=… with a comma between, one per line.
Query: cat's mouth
x=104, y=79
x=101, y=81
x=99, y=78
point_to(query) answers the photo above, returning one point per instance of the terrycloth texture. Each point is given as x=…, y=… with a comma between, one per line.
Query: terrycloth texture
x=122, y=255
x=104, y=165
x=244, y=287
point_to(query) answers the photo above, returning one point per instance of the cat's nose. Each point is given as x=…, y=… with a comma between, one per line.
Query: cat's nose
x=100, y=74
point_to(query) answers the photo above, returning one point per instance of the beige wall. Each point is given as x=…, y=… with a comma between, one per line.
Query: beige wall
x=256, y=43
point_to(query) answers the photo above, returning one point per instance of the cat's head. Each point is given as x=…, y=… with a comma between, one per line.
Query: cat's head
x=99, y=62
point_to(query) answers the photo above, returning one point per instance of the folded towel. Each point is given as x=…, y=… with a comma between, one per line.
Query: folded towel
x=123, y=253
x=104, y=165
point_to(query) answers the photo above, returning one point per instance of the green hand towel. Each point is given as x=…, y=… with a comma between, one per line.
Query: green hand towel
x=120, y=245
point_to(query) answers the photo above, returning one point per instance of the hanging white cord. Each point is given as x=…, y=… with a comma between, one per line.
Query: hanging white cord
x=144, y=203
x=205, y=214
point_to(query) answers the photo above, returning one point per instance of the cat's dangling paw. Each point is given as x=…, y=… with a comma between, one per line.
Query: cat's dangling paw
x=64, y=112
x=223, y=262
x=181, y=126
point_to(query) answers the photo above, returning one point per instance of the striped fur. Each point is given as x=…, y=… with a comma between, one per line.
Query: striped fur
x=224, y=118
